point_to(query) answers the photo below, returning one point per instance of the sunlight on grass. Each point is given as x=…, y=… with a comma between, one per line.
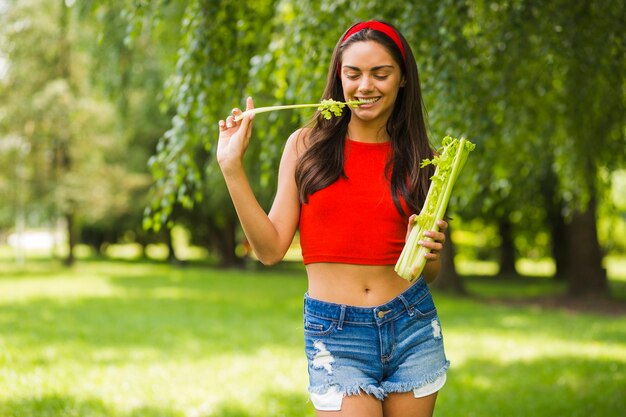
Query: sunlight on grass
x=616, y=267
x=146, y=336
x=521, y=361
x=475, y=267
x=121, y=339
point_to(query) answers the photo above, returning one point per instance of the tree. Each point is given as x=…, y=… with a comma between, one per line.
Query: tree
x=215, y=36
x=449, y=279
x=565, y=61
x=131, y=62
x=71, y=168
x=506, y=74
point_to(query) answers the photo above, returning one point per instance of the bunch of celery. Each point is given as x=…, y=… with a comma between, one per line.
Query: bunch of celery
x=449, y=162
x=328, y=108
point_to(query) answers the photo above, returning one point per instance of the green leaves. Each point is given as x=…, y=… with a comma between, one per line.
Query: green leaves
x=330, y=107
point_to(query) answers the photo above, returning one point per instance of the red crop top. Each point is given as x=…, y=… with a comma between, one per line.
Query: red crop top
x=354, y=220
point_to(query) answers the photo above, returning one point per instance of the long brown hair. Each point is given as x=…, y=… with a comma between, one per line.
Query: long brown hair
x=322, y=163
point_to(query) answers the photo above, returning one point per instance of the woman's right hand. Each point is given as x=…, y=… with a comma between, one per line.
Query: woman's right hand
x=234, y=138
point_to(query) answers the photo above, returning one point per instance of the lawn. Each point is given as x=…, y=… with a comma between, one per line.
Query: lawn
x=125, y=339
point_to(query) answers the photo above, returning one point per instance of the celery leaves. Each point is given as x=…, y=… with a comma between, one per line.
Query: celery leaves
x=449, y=162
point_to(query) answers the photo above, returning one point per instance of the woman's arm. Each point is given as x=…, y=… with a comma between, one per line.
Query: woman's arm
x=269, y=235
x=431, y=270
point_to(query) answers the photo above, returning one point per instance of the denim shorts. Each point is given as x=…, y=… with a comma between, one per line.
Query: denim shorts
x=394, y=347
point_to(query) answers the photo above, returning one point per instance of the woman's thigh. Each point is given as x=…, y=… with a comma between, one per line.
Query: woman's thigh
x=404, y=404
x=360, y=405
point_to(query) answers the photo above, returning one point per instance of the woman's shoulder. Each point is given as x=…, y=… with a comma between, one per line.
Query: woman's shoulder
x=299, y=141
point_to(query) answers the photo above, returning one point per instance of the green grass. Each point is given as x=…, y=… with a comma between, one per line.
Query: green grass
x=124, y=339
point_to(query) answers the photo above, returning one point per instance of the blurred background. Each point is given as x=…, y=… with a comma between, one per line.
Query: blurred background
x=108, y=126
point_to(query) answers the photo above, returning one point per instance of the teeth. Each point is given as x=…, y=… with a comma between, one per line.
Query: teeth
x=368, y=100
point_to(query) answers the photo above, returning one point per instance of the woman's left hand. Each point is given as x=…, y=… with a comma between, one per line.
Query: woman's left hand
x=436, y=241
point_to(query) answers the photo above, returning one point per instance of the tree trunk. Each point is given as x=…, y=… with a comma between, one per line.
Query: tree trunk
x=559, y=243
x=71, y=239
x=556, y=221
x=171, y=257
x=587, y=275
x=448, y=279
x=507, y=248
x=225, y=241
x=64, y=161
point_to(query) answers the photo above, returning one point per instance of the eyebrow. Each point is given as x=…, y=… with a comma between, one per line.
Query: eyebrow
x=376, y=68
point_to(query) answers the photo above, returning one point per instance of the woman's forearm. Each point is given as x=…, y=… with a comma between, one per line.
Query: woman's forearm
x=431, y=270
x=257, y=226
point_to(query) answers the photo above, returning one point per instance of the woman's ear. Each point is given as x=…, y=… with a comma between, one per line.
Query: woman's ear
x=403, y=81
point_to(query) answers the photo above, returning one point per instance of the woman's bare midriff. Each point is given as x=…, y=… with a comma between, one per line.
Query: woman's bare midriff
x=355, y=285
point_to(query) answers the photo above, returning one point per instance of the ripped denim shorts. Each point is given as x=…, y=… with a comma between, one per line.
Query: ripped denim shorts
x=394, y=347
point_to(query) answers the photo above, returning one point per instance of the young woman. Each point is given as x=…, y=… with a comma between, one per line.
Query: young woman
x=350, y=184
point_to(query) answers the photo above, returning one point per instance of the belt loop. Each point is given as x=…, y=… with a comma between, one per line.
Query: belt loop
x=342, y=316
x=409, y=309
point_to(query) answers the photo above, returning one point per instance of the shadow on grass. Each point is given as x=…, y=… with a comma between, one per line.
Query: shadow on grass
x=214, y=310
x=40, y=268
x=159, y=324
x=544, y=293
x=162, y=309
x=274, y=404
x=511, y=319
x=541, y=387
x=66, y=406
x=211, y=279
x=544, y=386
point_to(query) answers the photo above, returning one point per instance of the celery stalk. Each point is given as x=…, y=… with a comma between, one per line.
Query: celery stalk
x=449, y=163
x=328, y=108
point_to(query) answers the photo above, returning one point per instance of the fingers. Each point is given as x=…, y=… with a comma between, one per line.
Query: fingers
x=435, y=245
x=435, y=249
x=435, y=240
x=235, y=119
x=249, y=103
x=229, y=123
x=246, y=125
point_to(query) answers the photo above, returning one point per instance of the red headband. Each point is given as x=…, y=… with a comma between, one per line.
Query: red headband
x=379, y=27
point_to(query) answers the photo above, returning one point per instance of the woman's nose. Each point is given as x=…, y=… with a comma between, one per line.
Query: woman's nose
x=365, y=84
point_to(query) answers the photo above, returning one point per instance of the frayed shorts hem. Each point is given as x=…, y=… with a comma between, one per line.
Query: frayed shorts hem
x=422, y=388
x=349, y=391
x=330, y=398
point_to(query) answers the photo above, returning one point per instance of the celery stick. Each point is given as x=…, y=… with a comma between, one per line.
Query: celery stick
x=449, y=163
x=328, y=108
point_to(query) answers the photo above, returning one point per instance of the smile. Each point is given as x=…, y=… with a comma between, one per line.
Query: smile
x=367, y=100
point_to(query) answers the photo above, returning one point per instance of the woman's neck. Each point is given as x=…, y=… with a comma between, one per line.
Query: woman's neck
x=366, y=132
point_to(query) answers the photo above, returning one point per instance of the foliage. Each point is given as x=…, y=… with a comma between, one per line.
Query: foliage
x=533, y=83
x=215, y=36
x=68, y=131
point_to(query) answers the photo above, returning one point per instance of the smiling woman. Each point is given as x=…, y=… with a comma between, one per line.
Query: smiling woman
x=366, y=79
x=349, y=183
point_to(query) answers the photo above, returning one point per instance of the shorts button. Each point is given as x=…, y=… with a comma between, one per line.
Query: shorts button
x=381, y=314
